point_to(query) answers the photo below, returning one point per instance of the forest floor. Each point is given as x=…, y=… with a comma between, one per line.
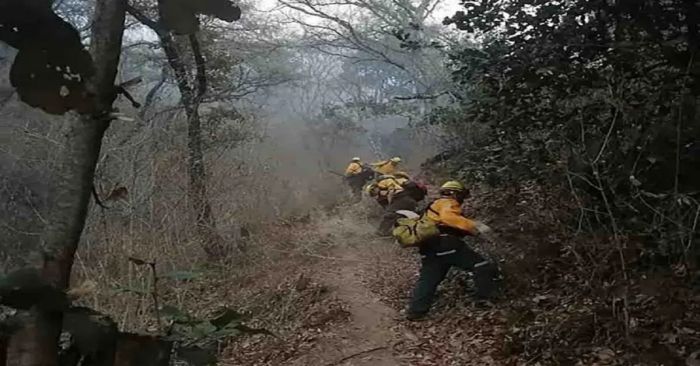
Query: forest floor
x=333, y=294
x=348, y=292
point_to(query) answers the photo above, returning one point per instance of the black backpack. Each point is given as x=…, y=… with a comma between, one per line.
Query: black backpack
x=416, y=191
x=367, y=173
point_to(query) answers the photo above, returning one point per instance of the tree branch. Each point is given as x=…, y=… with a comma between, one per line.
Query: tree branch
x=353, y=36
x=145, y=20
x=168, y=45
x=150, y=97
x=420, y=96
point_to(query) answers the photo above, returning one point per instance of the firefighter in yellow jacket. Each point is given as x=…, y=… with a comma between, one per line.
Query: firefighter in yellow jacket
x=395, y=193
x=354, y=168
x=386, y=166
x=356, y=175
x=448, y=250
x=402, y=177
x=384, y=188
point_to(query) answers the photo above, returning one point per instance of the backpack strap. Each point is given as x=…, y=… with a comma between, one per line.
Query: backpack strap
x=429, y=208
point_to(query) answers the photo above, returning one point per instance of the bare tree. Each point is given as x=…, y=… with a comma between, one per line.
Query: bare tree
x=396, y=33
x=192, y=93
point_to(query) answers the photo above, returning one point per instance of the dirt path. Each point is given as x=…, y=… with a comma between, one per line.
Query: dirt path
x=373, y=278
x=360, y=282
x=369, y=336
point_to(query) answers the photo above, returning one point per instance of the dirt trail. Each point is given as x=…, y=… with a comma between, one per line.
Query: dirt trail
x=364, y=282
x=369, y=336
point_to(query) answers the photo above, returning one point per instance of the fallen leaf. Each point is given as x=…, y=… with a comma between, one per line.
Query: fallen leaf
x=412, y=337
x=606, y=354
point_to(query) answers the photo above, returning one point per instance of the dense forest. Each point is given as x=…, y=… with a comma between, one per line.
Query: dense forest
x=171, y=186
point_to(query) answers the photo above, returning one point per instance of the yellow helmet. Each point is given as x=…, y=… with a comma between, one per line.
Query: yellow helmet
x=452, y=185
x=356, y=159
x=395, y=159
x=402, y=175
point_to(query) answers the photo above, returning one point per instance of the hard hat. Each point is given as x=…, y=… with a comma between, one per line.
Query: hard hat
x=452, y=185
x=402, y=175
x=396, y=159
x=356, y=159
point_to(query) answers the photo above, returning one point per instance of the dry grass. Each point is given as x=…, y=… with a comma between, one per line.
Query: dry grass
x=272, y=281
x=247, y=190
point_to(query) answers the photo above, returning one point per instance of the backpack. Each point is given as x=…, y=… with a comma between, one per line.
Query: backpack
x=412, y=232
x=367, y=173
x=380, y=189
x=416, y=190
x=372, y=190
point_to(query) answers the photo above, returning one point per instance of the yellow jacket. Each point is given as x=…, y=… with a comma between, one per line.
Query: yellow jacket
x=384, y=188
x=384, y=167
x=447, y=212
x=389, y=185
x=353, y=169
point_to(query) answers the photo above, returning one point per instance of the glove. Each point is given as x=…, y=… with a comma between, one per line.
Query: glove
x=482, y=228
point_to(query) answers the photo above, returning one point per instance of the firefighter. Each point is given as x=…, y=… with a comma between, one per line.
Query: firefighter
x=386, y=166
x=404, y=198
x=448, y=250
x=383, y=188
x=356, y=175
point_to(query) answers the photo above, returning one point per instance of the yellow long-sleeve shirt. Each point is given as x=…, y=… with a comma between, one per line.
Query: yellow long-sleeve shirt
x=447, y=212
x=385, y=167
x=384, y=188
x=390, y=186
x=353, y=169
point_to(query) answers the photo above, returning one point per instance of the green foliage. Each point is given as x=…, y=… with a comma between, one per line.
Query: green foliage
x=197, y=339
x=225, y=317
x=175, y=315
x=51, y=67
x=604, y=94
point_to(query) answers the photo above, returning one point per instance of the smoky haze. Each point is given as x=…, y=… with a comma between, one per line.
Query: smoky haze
x=287, y=105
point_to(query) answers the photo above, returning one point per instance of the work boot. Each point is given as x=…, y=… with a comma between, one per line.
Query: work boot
x=414, y=317
x=383, y=234
x=485, y=274
x=483, y=304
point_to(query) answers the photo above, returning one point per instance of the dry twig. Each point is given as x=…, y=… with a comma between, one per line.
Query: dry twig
x=355, y=355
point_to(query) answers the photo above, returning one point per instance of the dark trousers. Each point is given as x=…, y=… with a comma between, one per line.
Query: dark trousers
x=356, y=183
x=435, y=265
x=401, y=202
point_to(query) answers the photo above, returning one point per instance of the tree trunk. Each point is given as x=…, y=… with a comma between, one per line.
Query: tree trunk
x=204, y=219
x=190, y=96
x=198, y=183
x=37, y=343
